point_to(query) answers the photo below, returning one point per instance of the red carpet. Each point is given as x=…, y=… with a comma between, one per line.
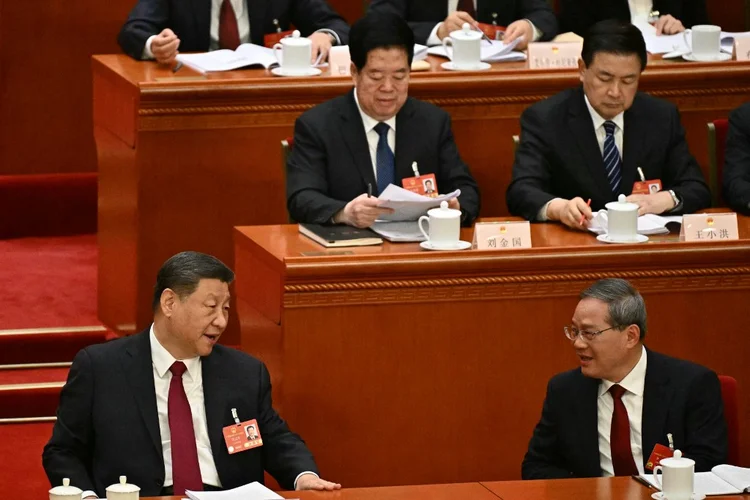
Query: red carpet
x=48, y=282
x=33, y=376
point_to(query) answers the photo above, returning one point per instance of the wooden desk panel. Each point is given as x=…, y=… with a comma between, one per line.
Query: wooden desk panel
x=448, y=354
x=184, y=157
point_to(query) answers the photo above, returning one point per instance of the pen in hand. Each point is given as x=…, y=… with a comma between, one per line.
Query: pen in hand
x=177, y=67
x=484, y=35
x=583, y=217
x=369, y=190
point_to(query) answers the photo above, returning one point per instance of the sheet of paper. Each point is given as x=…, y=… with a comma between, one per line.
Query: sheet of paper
x=410, y=206
x=489, y=51
x=246, y=54
x=252, y=491
x=739, y=477
x=706, y=483
x=648, y=224
x=662, y=44
x=728, y=38
x=398, y=232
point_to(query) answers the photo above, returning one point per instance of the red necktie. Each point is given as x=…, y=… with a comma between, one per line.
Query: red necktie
x=186, y=473
x=619, y=436
x=229, y=33
x=468, y=7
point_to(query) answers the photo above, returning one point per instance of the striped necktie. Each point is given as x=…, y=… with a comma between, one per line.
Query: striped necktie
x=612, y=160
x=385, y=164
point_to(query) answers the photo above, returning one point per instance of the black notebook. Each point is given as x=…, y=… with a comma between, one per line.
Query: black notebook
x=340, y=235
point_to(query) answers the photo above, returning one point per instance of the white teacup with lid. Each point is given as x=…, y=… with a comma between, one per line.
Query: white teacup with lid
x=466, y=45
x=296, y=52
x=65, y=492
x=622, y=220
x=444, y=227
x=123, y=490
x=677, y=477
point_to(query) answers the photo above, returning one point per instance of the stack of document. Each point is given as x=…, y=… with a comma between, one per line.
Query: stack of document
x=727, y=40
x=721, y=480
x=494, y=51
x=244, y=56
x=398, y=232
x=409, y=206
x=680, y=43
x=252, y=491
x=647, y=224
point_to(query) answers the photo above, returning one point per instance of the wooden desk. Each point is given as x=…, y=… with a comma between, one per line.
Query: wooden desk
x=402, y=366
x=184, y=157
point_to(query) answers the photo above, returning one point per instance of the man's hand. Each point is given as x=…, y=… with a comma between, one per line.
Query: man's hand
x=164, y=46
x=454, y=204
x=668, y=25
x=313, y=482
x=361, y=212
x=321, y=44
x=656, y=203
x=570, y=212
x=454, y=22
x=516, y=29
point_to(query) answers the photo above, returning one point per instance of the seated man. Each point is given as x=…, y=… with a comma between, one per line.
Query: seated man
x=433, y=20
x=674, y=15
x=153, y=406
x=355, y=145
x=593, y=142
x=605, y=417
x=156, y=29
x=737, y=161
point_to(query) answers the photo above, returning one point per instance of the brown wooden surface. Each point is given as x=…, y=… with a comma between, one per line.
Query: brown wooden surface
x=184, y=157
x=403, y=366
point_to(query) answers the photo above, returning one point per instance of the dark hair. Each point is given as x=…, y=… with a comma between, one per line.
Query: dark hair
x=626, y=306
x=615, y=37
x=379, y=31
x=181, y=273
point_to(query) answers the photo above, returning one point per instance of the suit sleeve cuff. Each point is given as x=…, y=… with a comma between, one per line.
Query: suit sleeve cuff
x=433, y=38
x=332, y=33
x=302, y=474
x=542, y=215
x=147, y=54
x=89, y=493
x=537, y=32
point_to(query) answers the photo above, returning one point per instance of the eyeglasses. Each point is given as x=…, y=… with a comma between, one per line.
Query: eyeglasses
x=572, y=333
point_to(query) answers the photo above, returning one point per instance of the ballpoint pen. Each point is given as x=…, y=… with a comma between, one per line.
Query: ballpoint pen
x=583, y=217
x=177, y=67
x=369, y=190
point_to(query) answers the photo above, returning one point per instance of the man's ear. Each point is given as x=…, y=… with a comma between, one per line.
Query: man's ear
x=168, y=301
x=633, y=335
x=581, y=69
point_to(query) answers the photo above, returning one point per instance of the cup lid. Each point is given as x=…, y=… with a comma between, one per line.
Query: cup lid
x=65, y=489
x=443, y=212
x=677, y=461
x=466, y=33
x=123, y=486
x=622, y=205
x=296, y=39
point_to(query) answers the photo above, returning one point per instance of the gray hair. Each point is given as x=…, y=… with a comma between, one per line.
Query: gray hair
x=626, y=306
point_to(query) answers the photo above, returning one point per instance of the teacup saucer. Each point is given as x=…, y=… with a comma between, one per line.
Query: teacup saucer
x=311, y=71
x=480, y=67
x=639, y=238
x=659, y=495
x=721, y=56
x=462, y=245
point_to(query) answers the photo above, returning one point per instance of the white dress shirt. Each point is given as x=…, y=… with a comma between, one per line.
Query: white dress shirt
x=640, y=10
x=453, y=7
x=373, y=137
x=601, y=135
x=634, y=384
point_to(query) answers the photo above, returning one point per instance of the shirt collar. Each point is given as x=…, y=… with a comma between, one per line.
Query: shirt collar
x=163, y=360
x=369, y=121
x=634, y=382
x=618, y=120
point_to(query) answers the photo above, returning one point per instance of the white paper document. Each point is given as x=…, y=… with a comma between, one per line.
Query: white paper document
x=490, y=52
x=728, y=38
x=398, y=232
x=245, y=55
x=662, y=44
x=647, y=224
x=409, y=206
x=722, y=480
x=252, y=491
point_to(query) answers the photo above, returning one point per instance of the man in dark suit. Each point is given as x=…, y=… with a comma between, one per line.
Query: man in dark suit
x=589, y=142
x=674, y=15
x=737, y=161
x=605, y=417
x=433, y=20
x=155, y=29
x=153, y=406
x=359, y=143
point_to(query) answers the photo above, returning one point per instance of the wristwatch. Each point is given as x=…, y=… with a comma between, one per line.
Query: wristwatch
x=675, y=199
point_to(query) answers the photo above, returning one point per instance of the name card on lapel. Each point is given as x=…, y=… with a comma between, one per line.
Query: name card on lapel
x=502, y=235
x=709, y=227
x=742, y=49
x=551, y=55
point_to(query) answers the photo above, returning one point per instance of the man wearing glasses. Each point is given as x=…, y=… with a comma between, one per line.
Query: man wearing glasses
x=605, y=417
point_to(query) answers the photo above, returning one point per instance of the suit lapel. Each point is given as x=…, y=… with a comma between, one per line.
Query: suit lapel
x=588, y=421
x=656, y=401
x=353, y=134
x=136, y=361
x=256, y=11
x=579, y=122
x=202, y=11
x=633, y=141
x=217, y=415
x=406, y=149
